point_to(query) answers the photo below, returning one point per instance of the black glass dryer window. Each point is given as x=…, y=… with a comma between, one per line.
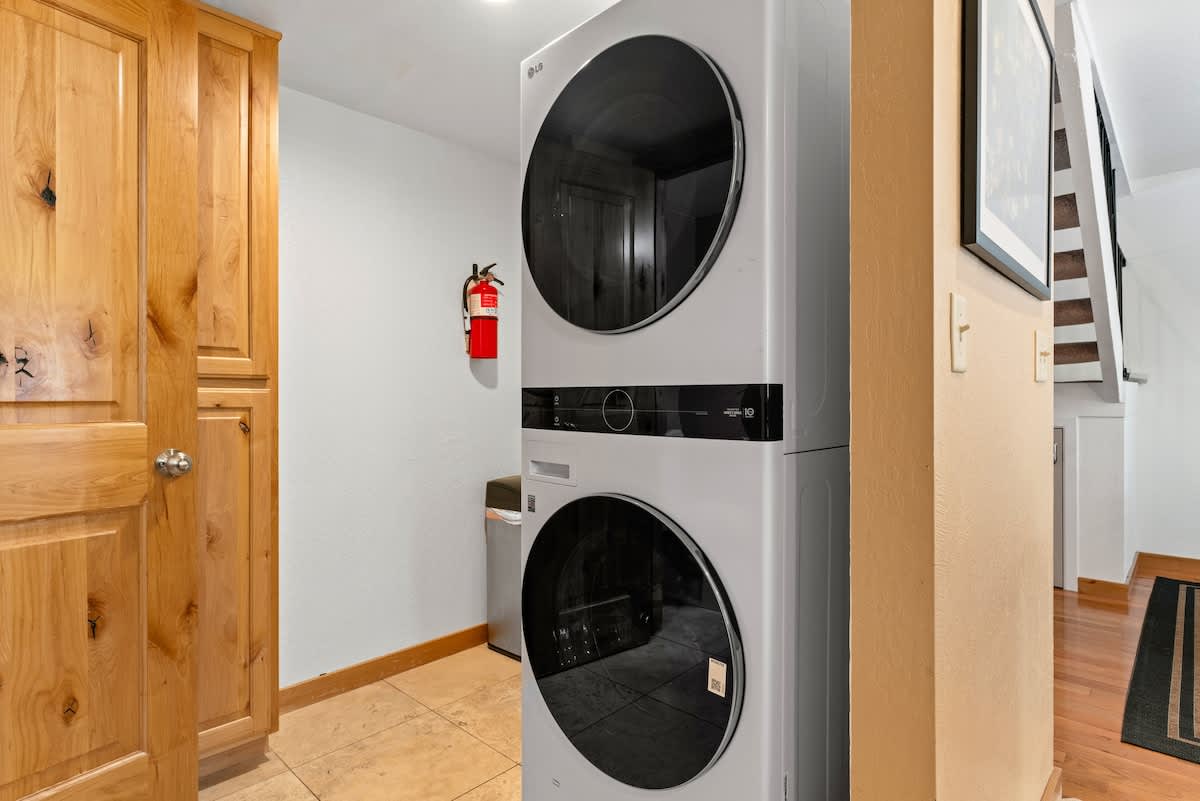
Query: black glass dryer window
x=632, y=641
x=632, y=184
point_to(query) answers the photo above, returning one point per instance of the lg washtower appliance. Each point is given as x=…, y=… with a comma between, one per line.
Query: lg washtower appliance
x=685, y=420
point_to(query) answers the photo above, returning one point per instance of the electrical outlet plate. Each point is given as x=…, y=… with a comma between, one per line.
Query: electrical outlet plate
x=1043, y=357
x=959, y=325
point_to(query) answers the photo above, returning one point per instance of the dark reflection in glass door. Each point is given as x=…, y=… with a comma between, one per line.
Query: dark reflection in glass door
x=632, y=184
x=632, y=641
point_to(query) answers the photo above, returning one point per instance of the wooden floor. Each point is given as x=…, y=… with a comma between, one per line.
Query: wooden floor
x=1095, y=643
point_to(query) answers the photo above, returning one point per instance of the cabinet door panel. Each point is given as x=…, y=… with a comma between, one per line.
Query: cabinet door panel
x=236, y=316
x=223, y=297
x=236, y=283
x=236, y=661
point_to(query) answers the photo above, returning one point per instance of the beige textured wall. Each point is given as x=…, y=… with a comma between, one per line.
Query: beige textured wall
x=952, y=612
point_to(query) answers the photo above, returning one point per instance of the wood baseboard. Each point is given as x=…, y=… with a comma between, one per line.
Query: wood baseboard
x=235, y=760
x=1145, y=565
x=1053, y=791
x=1149, y=565
x=327, y=685
x=1102, y=590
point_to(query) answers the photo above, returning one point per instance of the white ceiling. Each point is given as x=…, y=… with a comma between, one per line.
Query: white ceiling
x=446, y=67
x=1148, y=57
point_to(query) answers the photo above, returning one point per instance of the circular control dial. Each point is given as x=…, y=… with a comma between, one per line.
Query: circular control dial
x=618, y=410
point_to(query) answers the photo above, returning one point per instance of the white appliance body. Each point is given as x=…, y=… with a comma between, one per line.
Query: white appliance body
x=727, y=411
x=774, y=306
x=774, y=529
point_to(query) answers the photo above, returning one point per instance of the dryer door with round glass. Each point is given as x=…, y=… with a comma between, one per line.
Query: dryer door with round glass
x=632, y=184
x=632, y=641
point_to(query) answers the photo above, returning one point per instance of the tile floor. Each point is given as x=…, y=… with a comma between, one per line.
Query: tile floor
x=447, y=730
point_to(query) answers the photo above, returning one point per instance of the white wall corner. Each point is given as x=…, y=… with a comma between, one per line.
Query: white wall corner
x=1077, y=86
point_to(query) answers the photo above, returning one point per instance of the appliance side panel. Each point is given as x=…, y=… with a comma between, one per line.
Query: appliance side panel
x=821, y=563
x=818, y=219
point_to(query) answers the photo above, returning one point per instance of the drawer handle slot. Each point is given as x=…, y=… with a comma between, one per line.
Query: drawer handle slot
x=550, y=470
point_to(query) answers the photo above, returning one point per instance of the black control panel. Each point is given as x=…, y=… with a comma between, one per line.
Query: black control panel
x=752, y=412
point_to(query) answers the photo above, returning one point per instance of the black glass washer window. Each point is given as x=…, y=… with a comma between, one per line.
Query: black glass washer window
x=632, y=184
x=632, y=641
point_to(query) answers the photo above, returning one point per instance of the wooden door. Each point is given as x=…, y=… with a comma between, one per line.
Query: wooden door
x=584, y=207
x=237, y=664
x=97, y=376
x=599, y=278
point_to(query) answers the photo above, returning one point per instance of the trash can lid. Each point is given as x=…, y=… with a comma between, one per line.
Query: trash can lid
x=504, y=493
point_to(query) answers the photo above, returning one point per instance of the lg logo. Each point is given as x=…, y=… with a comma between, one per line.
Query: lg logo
x=535, y=69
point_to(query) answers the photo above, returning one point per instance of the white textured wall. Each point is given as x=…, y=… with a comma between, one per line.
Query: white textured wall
x=1097, y=540
x=1163, y=332
x=387, y=431
x=1102, y=499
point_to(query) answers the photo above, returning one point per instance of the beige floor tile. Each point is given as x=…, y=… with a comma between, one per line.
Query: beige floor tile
x=426, y=759
x=493, y=715
x=457, y=676
x=284, y=787
x=326, y=726
x=227, y=782
x=505, y=787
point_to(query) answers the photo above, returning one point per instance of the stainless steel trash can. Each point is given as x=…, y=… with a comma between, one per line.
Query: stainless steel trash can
x=502, y=528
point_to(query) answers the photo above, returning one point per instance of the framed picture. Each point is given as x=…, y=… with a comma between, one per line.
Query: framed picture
x=1008, y=138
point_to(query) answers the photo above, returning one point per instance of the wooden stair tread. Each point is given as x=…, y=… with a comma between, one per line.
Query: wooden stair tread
x=1069, y=264
x=1066, y=212
x=1076, y=353
x=1073, y=312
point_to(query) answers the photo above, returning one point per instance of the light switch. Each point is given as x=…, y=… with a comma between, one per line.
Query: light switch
x=1044, y=357
x=959, y=326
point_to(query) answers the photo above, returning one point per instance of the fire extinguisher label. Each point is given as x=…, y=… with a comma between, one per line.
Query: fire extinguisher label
x=483, y=305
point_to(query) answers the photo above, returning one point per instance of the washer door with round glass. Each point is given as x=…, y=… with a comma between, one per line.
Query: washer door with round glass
x=632, y=184
x=632, y=641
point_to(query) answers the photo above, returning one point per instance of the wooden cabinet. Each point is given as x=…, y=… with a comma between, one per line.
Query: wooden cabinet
x=236, y=461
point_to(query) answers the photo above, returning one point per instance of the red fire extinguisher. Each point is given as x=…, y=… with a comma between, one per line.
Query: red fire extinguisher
x=481, y=312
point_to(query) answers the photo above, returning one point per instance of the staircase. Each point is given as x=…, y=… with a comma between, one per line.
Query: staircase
x=1076, y=346
x=1088, y=343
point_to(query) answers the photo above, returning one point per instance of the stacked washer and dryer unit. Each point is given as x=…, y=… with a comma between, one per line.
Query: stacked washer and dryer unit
x=686, y=406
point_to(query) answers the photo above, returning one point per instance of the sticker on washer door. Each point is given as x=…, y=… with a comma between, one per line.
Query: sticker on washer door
x=716, y=677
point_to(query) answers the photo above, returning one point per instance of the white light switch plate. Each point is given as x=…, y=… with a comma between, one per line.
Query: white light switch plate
x=1044, y=357
x=959, y=325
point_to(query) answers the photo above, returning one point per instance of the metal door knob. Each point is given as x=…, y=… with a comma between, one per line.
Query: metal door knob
x=173, y=464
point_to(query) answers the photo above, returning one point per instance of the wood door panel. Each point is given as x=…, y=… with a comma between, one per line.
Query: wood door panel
x=98, y=467
x=236, y=651
x=98, y=210
x=563, y=182
x=225, y=526
x=70, y=637
x=238, y=201
x=68, y=121
x=237, y=644
x=223, y=301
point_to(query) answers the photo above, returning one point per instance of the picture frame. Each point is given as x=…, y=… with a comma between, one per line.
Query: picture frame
x=1008, y=140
